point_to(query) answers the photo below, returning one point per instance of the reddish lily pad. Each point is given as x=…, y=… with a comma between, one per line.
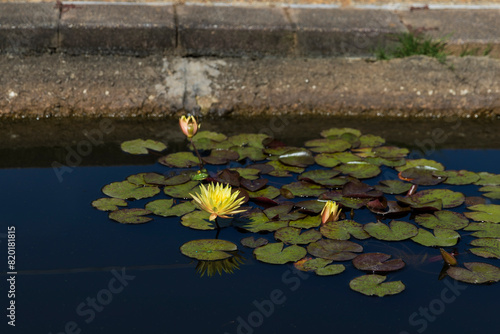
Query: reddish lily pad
x=360, y=190
x=372, y=285
x=343, y=230
x=393, y=210
x=422, y=176
x=108, y=204
x=274, y=253
x=220, y=157
x=336, y=250
x=486, y=247
x=208, y=249
x=127, y=190
x=377, y=262
x=293, y=235
x=440, y=238
x=141, y=146
x=179, y=160
x=251, y=242
x=443, y=219
x=253, y=185
x=396, y=231
x=130, y=216
x=459, y=177
x=393, y=186
x=476, y=273
x=484, y=212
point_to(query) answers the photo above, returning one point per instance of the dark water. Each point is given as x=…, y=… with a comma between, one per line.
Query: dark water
x=78, y=272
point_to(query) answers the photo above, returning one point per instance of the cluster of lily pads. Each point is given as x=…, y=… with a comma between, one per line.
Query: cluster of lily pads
x=285, y=188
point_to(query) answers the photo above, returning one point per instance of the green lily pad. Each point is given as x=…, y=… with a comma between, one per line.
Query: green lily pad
x=422, y=163
x=215, y=136
x=337, y=132
x=324, y=177
x=297, y=157
x=220, y=157
x=127, y=190
x=327, y=160
x=391, y=152
x=306, y=222
x=484, y=230
x=396, y=231
x=484, y=212
x=336, y=250
x=348, y=202
x=441, y=238
x=108, y=204
x=182, y=190
x=359, y=169
x=141, y=146
x=252, y=153
x=153, y=179
x=343, y=229
x=486, y=247
x=208, y=249
x=492, y=192
x=449, y=198
x=259, y=222
x=164, y=208
x=278, y=210
x=371, y=141
x=198, y=220
x=333, y=269
x=251, y=242
x=488, y=179
x=248, y=139
x=277, y=151
x=274, y=253
x=138, y=179
x=302, y=189
x=247, y=173
x=293, y=235
x=443, y=219
x=327, y=145
x=377, y=262
x=372, y=285
x=476, y=273
x=459, y=177
x=307, y=264
x=179, y=160
x=130, y=216
x=268, y=192
x=282, y=170
x=393, y=186
x=310, y=206
x=387, y=162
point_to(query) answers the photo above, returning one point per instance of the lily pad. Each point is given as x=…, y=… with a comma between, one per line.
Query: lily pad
x=251, y=242
x=333, y=269
x=198, y=220
x=486, y=247
x=293, y=235
x=248, y=139
x=360, y=190
x=215, y=136
x=108, y=204
x=459, y=177
x=259, y=222
x=327, y=160
x=268, y=192
x=371, y=141
x=182, y=190
x=247, y=173
x=393, y=210
x=179, y=160
x=372, y=285
x=130, y=216
x=349, y=202
x=278, y=210
x=393, y=186
x=301, y=189
x=253, y=185
x=177, y=179
x=396, y=231
x=208, y=249
x=336, y=250
x=308, y=264
x=220, y=157
x=297, y=158
x=422, y=176
x=391, y=152
x=492, y=192
x=343, y=229
x=325, y=177
x=252, y=153
x=337, y=132
x=274, y=253
x=484, y=212
x=443, y=219
x=138, y=180
x=476, y=273
x=488, y=179
x=127, y=190
x=327, y=145
x=307, y=222
x=441, y=238
x=377, y=262
x=484, y=230
x=449, y=198
x=282, y=170
x=359, y=169
x=387, y=162
x=423, y=164
x=141, y=146
x=164, y=208
x=310, y=206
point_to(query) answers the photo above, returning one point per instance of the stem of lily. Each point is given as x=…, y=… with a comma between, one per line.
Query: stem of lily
x=197, y=154
x=217, y=223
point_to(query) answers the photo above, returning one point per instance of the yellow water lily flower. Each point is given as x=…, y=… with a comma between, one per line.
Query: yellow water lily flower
x=188, y=125
x=218, y=200
x=330, y=212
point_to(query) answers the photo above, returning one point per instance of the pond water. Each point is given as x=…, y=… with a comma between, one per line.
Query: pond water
x=79, y=272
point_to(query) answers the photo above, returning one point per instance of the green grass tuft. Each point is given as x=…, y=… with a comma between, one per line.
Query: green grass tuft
x=411, y=45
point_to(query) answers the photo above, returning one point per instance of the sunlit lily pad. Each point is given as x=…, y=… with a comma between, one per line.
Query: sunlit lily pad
x=138, y=179
x=343, y=229
x=197, y=220
x=248, y=139
x=220, y=157
x=108, y=204
x=484, y=212
x=327, y=145
x=215, y=136
x=371, y=141
x=251, y=242
x=484, y=230
x=359, y=169
x=387, y=162
x=182, y=190
x=130, y=216
x=274, y=253
x=127, y=190
x=488, y=179
x=302, y=189
x=297, y=158
x=391, y=152
x=443, y=219
x=208, y=249
x=423, y=164
x=259, y=222
x=141, y=146
x=377, y=262
x=492, y=192
x=459, y=177
x=393, y=186
x=395, y=231
x=372, y=285
x=164, y=208
x=333, y=269
x=337, y=132
x=476, y=273
x=336, y=250
x=440, y=238
x=449, y=198
x=327, y=160
x=268, y=192
x=293, y=235
x=486, y=247
x=306, y=222
x=179, y=160
x=308, y=264
x=325, y=177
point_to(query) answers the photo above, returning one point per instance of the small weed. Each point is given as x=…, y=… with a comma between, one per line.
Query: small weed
x=411, y=44
x=475, y=51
